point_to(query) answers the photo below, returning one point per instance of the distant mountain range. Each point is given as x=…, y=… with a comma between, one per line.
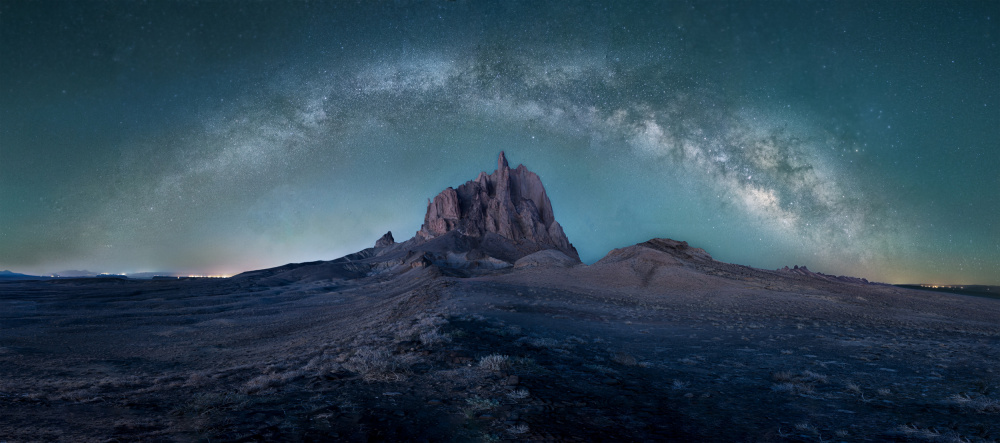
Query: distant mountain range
x=10, y=275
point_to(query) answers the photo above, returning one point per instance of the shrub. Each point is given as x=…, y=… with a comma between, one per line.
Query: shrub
x=375, y=364
x=979, y=404
x=792, y=388
x=518, y=429
x=518, y=394
x=494, y=362
x=624, y=358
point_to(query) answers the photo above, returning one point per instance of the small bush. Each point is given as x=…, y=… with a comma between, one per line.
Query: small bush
x=805, y=427
x=783, y=376
x=624, y=359
x=812, y=376
x=518, y=394
x=482, y=404
x=494, y=362
x=792, y=388
x=375, y=364
x=539, y=343
x=259, y=383
x=853, y=388
x=518, y=429
x=433, y=337
x=913, y=431
x=983, y=405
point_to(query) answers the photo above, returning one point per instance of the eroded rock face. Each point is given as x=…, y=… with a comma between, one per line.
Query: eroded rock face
x=386, y=240
x=510, y=203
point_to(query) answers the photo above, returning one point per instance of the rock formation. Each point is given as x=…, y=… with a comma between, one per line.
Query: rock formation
x=804, y=271
x=386, y=240
x=507, y=209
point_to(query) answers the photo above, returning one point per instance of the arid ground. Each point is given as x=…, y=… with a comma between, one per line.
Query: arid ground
x=656, y=346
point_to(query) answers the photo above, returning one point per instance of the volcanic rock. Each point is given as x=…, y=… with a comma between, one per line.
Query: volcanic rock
x=506, y=214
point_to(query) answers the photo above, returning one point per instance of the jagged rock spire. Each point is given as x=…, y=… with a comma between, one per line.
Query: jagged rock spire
x=510, y=203
x=386, y=240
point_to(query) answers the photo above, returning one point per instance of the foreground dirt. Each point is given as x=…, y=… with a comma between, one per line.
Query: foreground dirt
x=538, y=354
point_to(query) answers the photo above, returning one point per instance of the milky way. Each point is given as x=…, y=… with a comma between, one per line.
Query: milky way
x=855, y=139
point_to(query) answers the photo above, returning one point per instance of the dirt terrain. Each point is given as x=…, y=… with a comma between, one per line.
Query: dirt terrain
x=651, y=344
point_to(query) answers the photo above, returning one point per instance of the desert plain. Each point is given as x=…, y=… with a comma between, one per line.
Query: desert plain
x=657, y=342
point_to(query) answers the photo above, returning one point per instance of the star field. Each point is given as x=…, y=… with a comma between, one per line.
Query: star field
x=856, y=138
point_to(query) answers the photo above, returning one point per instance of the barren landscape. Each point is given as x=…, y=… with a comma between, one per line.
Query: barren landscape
x=696, y=351
x=486, y=327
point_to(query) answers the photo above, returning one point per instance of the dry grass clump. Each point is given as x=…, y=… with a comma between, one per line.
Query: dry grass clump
x=518, y=394
x=377, y=364
x=322, y=364
x=916, y=433
x=538, y=342
x=478, y=404
x=802, y=383
x=803, y=377
x=806, y=427
x=260, y=383
x=783, y=376
x=424, y=327
x=482, y=404
x=433, y=337
x=518, y=429
x=814, y=377
x=853, y=388
x=494, y=362
x=982, y=405
x=271, y=380
x=624, y=358
x=792, y=388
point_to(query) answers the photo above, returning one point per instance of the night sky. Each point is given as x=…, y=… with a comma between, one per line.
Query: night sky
x=852, y=137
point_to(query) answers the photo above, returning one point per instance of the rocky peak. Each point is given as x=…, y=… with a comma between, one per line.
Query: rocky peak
x=386, y=240
x=509, y=203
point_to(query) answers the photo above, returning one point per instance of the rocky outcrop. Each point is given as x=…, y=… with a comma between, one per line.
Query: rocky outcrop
x=804, y=271
x=675, y=250
x=507, y=211
x=386, y=240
